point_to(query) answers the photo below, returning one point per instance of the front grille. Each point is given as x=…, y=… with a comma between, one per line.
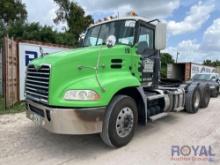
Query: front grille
x=37, y=83
x=37, y=110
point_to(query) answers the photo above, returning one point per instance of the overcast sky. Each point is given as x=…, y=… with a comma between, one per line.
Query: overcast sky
x=193, y=25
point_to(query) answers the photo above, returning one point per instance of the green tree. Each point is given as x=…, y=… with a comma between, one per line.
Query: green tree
x=166, y=58
x=211, y=63
x=11, y=11
x=207, y=62
x=34, y=31
x=13, y=22
x=74, y=15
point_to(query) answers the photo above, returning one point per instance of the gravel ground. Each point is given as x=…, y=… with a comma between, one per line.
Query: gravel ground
x=21, y=142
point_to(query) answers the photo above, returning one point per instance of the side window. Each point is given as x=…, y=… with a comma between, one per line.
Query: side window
x=146, y=35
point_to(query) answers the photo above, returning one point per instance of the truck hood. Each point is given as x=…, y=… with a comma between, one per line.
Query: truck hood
x=62, y=56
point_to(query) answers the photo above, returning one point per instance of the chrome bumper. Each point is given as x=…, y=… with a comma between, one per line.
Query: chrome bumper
x=64, y=120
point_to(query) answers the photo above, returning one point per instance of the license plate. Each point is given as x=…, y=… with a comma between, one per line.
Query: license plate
x=37, y=119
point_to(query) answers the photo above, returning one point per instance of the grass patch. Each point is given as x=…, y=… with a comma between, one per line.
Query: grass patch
x=18, y=107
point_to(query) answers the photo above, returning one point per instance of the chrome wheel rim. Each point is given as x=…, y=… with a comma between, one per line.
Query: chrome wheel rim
x=196, y=99
x=124, y=122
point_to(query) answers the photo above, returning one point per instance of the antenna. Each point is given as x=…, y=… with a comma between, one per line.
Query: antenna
x=41, y=51
x=177, y=55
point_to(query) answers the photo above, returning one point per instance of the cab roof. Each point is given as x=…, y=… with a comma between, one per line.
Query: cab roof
x=135, y=18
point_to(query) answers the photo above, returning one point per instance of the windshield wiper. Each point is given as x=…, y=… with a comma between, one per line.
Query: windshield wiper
x=118, y=43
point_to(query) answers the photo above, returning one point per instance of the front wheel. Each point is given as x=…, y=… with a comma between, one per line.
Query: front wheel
x=120, y=121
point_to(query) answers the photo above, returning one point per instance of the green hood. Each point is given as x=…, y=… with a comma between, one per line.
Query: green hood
x=64, y=55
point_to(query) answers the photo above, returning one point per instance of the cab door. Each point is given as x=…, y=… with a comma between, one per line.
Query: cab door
x=146, y=50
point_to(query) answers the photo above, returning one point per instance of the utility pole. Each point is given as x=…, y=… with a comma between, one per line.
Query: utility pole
x=177, y=55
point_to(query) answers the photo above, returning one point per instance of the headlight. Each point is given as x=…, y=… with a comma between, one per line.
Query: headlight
x=81, y=95
x=212, y=87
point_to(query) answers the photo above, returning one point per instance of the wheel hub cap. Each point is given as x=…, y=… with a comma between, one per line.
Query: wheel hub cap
x=124, y=122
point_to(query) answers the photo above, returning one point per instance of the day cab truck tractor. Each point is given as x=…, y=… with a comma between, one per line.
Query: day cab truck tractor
x=109, y=85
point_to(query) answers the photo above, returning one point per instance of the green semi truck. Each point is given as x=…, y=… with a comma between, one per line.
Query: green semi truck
x=110, y=84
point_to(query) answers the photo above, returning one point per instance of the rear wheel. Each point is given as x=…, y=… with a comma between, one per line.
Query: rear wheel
x=120, y=121
x=205, y=95
x=192, y=99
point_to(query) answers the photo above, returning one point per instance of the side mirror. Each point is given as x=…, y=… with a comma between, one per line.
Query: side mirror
x=111, y=41
x=160, y=36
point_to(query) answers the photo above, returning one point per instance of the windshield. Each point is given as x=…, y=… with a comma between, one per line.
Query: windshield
x=201, y=77
x=123, y=30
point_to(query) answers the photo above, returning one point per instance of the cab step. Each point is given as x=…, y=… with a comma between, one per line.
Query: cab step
x=158, y=116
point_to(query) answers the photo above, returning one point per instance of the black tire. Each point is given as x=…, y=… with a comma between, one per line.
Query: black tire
x=109, y=133
x=205, y=95
x=192, y=104
x=215, y=92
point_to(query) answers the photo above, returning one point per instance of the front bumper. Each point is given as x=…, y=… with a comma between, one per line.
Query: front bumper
x=65, y=120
